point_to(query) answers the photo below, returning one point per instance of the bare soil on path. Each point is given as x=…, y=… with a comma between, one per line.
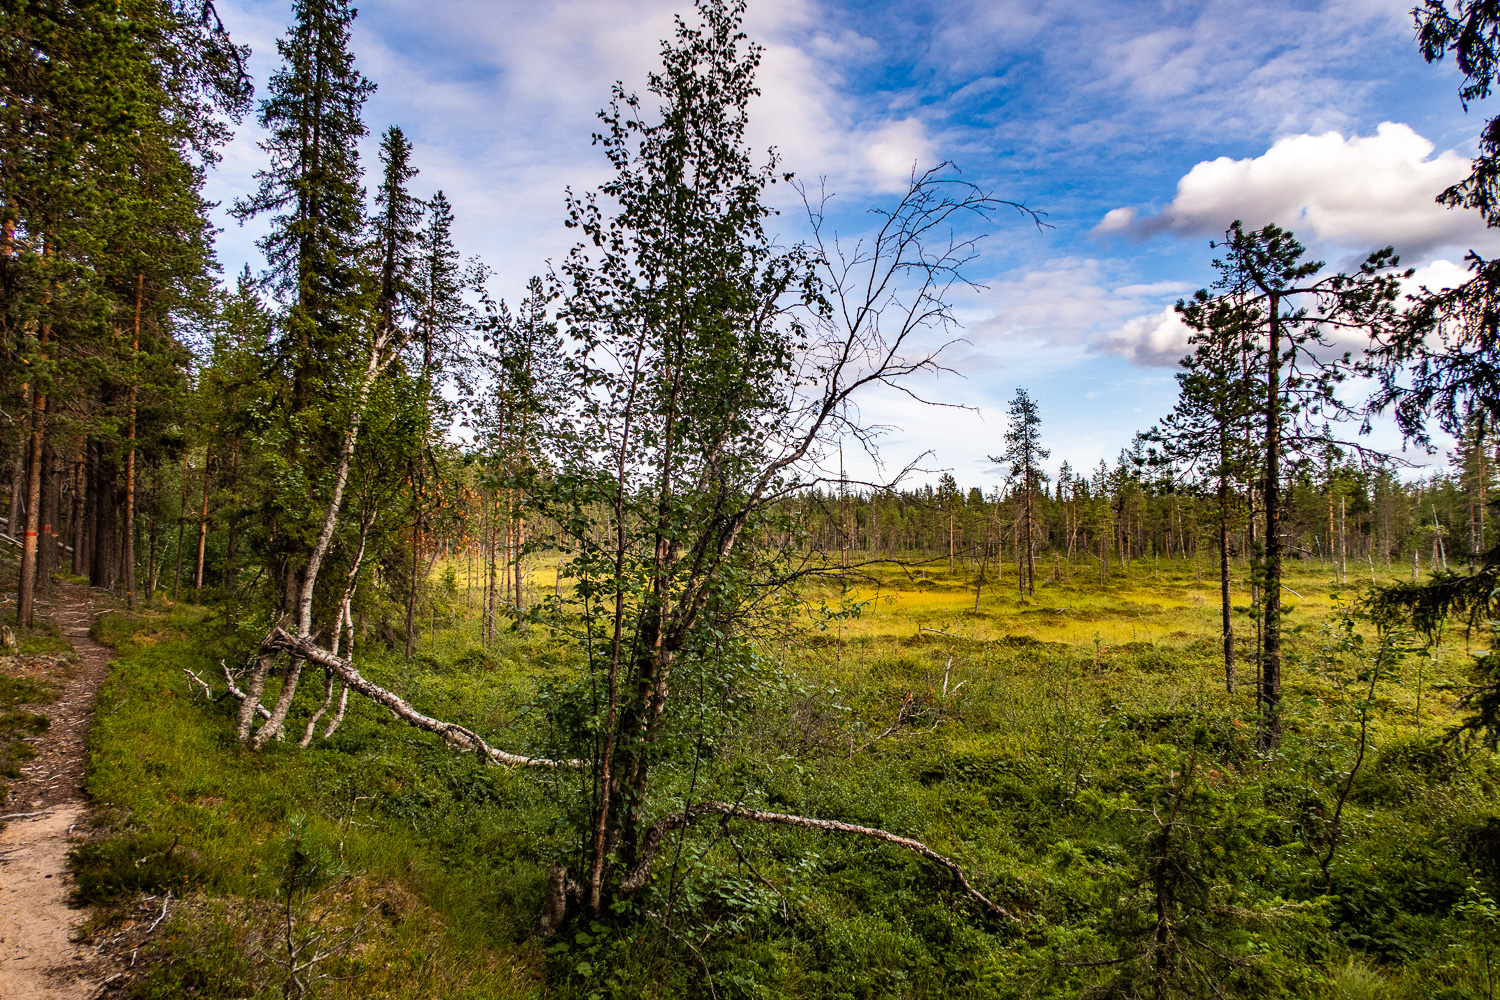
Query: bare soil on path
x=40, y=958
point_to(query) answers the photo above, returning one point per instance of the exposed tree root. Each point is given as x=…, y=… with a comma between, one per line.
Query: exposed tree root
x=454, y=734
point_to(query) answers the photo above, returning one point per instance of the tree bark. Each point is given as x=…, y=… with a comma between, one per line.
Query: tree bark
x=26, y=589
x=135, y=345
x=1269, y=732
x=456, y=735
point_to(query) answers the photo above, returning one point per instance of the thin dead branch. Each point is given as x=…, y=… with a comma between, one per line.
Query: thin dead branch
x=642, y=872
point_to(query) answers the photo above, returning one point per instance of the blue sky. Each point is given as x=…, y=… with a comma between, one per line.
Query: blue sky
x=1140, y=129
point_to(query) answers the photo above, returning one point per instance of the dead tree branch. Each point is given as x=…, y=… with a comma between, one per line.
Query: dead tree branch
x=642, y=872
x=455, y=735
x=232, y=692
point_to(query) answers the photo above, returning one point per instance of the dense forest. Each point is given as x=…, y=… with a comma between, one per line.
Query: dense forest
x=546, y=648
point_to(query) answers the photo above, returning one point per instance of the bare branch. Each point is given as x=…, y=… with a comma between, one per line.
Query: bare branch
x=456, y=735
x=642, y=872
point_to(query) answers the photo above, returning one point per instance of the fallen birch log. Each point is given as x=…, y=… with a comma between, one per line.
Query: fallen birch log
x=455, y=735
x=232, y=692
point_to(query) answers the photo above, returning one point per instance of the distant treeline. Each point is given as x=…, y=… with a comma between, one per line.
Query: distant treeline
x=1350, y=519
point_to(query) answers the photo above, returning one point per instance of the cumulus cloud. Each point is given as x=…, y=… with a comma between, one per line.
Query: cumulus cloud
x=1437, y=276
x=1054, y=315
x=1156, y=340
x=1365, y=191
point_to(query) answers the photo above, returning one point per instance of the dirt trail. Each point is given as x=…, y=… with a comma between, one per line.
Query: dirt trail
x=39, y=960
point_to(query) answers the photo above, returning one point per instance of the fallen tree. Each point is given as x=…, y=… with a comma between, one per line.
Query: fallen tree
x=280, y=640
x=642, y=872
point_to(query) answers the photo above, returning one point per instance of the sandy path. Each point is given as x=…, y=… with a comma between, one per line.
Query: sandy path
x=39, y=960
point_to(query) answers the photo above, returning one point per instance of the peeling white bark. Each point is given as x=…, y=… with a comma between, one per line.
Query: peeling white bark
x=456, y=735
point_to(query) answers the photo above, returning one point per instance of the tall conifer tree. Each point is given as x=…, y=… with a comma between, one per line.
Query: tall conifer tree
x=1024, y=453
x=313, y=184
x=1220, y=386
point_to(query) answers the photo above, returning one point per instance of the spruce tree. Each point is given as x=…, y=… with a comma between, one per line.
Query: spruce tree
x=313, y=187
x=396, y=238
x=395, y=247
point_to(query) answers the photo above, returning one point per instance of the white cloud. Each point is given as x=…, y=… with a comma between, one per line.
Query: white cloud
x=1066, y=300
x=1044, y=319
x=1437, y=276
x=1157, y=340
x=499, y=98
x=895, y=151
x=1364, y=191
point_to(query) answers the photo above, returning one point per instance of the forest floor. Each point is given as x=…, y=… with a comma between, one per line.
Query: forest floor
x=42, y=956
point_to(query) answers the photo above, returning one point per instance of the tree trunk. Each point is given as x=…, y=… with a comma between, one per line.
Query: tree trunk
x=47, y=540
x=135, y=345
x=1269, y=734
x=13, y=523
x=203, y=519
x=104, y=547
x=520, y=537
x=411, y=594
x=1228, y=621
x=1030, y=542
x=181, y=528
x=26, y=589
x=78, y=503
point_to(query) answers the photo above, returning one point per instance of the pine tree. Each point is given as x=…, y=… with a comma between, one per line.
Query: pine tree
x=106, y=113
x=1219, y=388
x=1263, y=273
x=1024, y=454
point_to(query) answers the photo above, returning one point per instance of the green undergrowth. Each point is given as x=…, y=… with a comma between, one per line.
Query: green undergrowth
x=19, y=726
x=1077, y=753
x=445, y=849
